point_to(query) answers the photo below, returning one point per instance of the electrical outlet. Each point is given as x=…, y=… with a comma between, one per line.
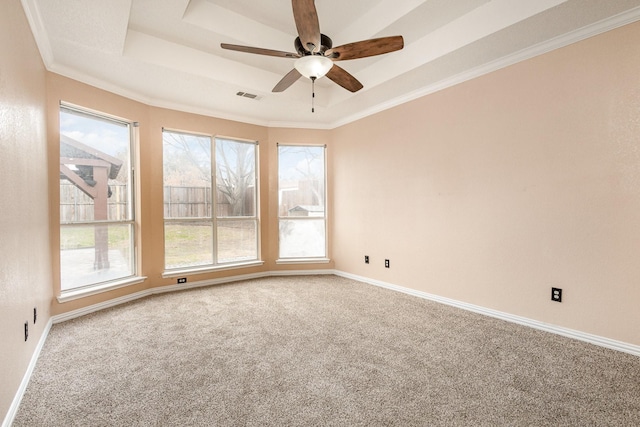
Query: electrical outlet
x=556, y=294
x=35, y=315
x=386, y=263
x=182, y=280
x=26, y=330
x=366, y=259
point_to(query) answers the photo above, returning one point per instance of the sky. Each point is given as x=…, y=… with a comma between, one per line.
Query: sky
x=112, y=137
x=107, y=136
x=294, y=164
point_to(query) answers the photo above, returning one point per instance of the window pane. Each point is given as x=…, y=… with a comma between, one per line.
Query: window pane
x=188, y=244
x=301, y=193
x=301, y=181
x=235, y=178
x=94, y=168
x=95, y=185
x=91, y=254
x=187, y=175
x=188, y=193
x=302, y=238
x=237, y=240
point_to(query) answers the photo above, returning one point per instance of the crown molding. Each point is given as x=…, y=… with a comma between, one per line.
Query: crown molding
x=34, y=18
x=564, y=40
x=44, y=46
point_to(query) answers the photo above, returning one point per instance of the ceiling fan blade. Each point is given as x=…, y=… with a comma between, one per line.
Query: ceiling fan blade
x=366, y=48
x=259, y=51
x=307, y=24
x=344, y=79
x=291, y=77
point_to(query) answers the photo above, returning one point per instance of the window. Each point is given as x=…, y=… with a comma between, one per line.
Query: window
x=204, y=229
x=301, y=202
x=96, y=200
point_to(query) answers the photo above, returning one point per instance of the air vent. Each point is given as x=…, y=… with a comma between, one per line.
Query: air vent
x=249, y=95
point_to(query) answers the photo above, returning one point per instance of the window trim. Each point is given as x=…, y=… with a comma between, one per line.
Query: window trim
x=305, y=260
x=87, y=291
x=285, y=261
x=131, y=221
x=221, y=267
x=214, y=219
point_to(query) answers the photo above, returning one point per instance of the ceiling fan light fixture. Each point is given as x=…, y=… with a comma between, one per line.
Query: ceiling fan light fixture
x=313, y=66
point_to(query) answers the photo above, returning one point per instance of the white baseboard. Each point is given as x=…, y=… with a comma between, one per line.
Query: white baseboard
x=179, y=287
x=13, y=409
x=569, y=333
x=559, y=330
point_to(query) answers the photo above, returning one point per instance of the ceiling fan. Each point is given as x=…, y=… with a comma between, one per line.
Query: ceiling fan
x=316, y=54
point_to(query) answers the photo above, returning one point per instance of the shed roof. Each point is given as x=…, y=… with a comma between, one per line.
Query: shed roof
x=308, y=208
x=73, y=149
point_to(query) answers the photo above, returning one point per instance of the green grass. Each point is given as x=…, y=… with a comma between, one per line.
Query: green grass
x=185, y=244
x=190, y=244
x=78, y=237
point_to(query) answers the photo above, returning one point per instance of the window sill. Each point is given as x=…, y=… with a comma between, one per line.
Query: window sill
x=303, y=261
x=197, y=270
x=73, y=294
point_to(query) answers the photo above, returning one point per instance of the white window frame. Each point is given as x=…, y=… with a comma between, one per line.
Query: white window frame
x=305, y=260
x=214, y=219
x=107, y=285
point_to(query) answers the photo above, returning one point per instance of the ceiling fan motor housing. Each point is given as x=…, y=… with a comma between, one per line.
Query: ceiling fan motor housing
x=325, y=44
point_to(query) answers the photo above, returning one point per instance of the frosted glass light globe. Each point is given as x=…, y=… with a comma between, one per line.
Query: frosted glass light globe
x=313, y=66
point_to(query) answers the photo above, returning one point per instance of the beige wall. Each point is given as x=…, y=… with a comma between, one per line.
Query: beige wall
x=495, y=190
x=25, y=271
x=489, y=192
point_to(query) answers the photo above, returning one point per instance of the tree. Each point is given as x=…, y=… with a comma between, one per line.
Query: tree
x=235, y=174
x=188, y=162
x=304, y=165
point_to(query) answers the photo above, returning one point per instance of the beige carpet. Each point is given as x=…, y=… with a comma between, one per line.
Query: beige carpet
x=321, y=351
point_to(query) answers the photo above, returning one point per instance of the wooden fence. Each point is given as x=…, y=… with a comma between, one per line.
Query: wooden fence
x=77, y=206
x=179, y=202
x=187, y=202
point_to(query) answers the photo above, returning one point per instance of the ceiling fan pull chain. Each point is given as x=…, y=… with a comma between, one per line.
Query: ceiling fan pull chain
x=313, y=94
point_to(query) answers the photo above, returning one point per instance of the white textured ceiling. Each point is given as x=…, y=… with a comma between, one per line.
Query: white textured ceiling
x=167, y=52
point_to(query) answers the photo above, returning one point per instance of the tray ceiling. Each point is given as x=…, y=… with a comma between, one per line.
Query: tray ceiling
x=167, y=53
